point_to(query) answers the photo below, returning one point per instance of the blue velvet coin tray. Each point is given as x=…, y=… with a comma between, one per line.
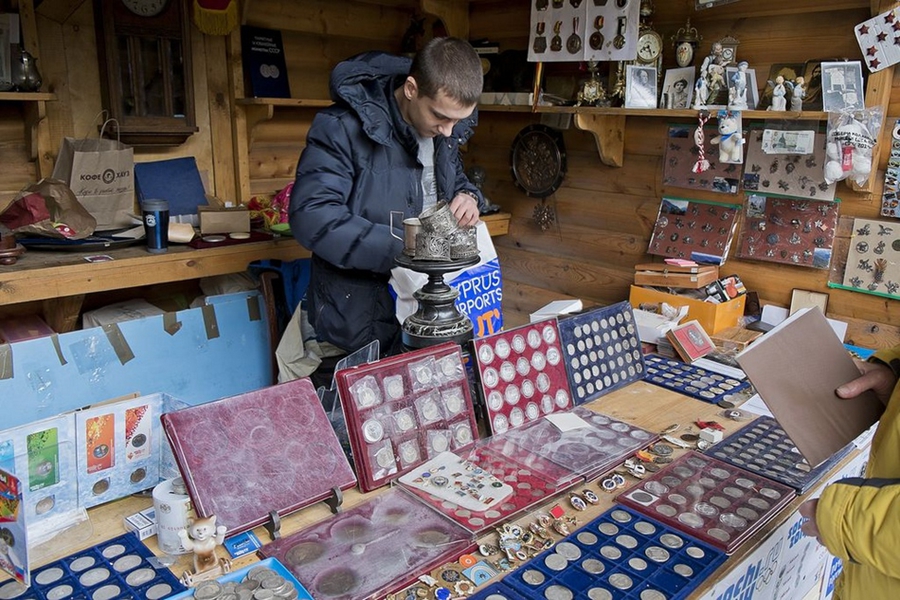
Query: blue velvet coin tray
x=241, y=574
x=602, y=351
x=763, y=447
x=497, y=591
x=117, y=568
x=690, y=380
x=620, y=554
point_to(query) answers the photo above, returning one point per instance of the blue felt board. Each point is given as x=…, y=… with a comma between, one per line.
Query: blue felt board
x=696, y=382
x=613, y=553
x=175, y=180
x=117, y=568
x=241, y=574
x=497, y=591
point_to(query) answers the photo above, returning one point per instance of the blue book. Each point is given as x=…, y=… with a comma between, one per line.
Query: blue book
x=175, y=180
x=265, y=68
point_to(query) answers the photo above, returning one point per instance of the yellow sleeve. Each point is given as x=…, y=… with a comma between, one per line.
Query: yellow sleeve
x=891, y=358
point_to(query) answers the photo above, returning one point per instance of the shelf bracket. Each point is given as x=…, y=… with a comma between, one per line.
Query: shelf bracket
x=609, y=133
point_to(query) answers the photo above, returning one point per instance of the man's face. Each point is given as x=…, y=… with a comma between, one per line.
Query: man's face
x=433, y=116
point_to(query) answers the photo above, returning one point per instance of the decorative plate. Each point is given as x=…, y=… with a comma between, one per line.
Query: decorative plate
x=538, y=160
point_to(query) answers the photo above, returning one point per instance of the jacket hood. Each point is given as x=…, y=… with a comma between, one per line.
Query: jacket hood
x=366, y=83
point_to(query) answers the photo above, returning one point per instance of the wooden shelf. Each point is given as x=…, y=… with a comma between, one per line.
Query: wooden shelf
x=27, y=96
x=299, y=102
x=815, y=115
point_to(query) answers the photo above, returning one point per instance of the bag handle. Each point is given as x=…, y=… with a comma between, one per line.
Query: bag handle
x=106, y=120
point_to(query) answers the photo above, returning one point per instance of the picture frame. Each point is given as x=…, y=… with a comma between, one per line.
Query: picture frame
x=842, y=86
x=640, y=87
x=801, y=299
x=752, y=91
x=812, y=76
x=676, y=98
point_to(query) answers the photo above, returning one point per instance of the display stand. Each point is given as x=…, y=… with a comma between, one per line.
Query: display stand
x=437, y=319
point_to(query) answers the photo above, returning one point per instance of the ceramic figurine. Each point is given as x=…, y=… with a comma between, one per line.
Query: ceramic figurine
x=737, y=91
x=712, y=70
x=778, y=92
x=798, y=92
x=202, y=536
x=730, y=140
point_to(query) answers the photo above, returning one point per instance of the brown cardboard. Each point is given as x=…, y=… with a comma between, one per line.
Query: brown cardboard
x=713, y=317
x=795, y=368
x=215, y=219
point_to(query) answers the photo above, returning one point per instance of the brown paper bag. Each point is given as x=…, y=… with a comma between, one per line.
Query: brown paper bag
x=101, y=174
x=48, y=208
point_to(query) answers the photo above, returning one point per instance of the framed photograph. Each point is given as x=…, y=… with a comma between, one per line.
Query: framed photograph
x=640, y=87
x=742, y=91
x=801, y=299
x=842, y=86
x=678, y=88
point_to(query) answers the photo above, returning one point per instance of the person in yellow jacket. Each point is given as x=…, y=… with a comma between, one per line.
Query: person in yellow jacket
x=858, y=519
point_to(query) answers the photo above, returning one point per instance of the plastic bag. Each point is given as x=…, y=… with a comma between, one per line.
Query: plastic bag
x=49, y=208
x=849, y=142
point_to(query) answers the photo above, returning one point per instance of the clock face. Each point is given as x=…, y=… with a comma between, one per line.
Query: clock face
x=145, y=8
x=649, y=47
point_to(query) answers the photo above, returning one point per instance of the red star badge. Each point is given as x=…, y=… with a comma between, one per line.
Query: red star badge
x=873, y=64
x=881, y=37
x=889, y=17
x=863, y=29
x=872, y=51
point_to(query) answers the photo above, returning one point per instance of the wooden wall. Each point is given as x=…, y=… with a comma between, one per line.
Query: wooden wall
x=605, y=215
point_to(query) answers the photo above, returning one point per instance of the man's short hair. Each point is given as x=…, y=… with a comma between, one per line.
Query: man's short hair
x=449, y=65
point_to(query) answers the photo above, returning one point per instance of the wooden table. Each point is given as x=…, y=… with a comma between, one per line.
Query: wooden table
x=643, y=404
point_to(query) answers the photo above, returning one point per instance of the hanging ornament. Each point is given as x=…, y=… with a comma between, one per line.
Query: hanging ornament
x=544, y=215
x=216, y=17
x=702, y=164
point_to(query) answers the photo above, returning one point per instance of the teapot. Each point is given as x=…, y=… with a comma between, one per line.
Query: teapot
x=24, y=71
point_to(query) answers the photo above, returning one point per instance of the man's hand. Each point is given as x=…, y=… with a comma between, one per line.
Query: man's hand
x=465, y=208
x=810, y=527
x=875, y=376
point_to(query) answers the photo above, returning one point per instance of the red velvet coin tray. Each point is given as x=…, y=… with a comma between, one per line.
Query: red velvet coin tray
x=763, y=447
x=404, y=410
x=718, y=503
x=522, y=374
x=620, y=554
x=372, y=549
x=118, y=568
x=268, y=450
x=690, y=380
x=530, y=487
x=586, y=451
x=694, y=229
x=602, y=351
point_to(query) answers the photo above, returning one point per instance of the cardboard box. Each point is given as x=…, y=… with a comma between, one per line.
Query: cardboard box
x=554, y=309
x=215, y=219
x=713, y=317
x=142, y=524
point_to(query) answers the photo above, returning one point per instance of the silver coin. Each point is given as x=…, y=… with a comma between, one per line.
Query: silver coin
x=627, y=541
x=558, y=592
x=207, y=590
x=620, y=581
x=599, y=594
x=655, y=487
x=732, y=520
x=670, y=540
x=430, y=411
x=666, y=510
x=719, y=473
x=507, y=371
x=568, y=550
x=82, y=563
x=485, y=354
x=651, y=594
x=770, y=493
x=533, y=577
x=126, y=563
x=259, y=573
x=645, y=528
x=695, y=552
x=555, y=561
x=610, y=552
x=758, y=503
x=608, y=528
x=48, y=576
x=720, y=502
x=11, y=589
x=500, y=423
x=139, y=577
x=677, y=499
x=518, y=343
x=534, y=338
x=587, y=538
x=94, y=576
x=620, y=516
x=706, y=509
x=593, y=566
x=683, y=570
x=748, y=513
x=59, y=592
x=719, y=534
x=107, y=592
x=158, y=591
x=501, y=348
x=734, y=492
x=113, y=551
x=691, y=520
x=394, y=386
x=637, y=563
x=707, y=482
x=657, y=554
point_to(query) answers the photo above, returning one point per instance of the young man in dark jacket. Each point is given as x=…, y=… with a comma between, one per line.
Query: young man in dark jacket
x=389, y=143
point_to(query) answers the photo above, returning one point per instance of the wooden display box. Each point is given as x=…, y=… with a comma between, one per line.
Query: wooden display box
x=661, y=274
x=215, y=219
x=713, y=317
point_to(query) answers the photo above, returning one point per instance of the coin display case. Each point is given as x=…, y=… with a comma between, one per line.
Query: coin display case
x=620, y=554
x=602, y=351
x=117, y=568
x=714, y=501
x=497, y=591
x=404, y=410
x=763, y=447
x=372, y=549
x=585, y=451
x=268, y=450
x=690, y=380
x=531, y=485
x=281, y=581
x=522, y=374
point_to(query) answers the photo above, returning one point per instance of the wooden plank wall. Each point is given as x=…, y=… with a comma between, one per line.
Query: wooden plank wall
x=605, y=215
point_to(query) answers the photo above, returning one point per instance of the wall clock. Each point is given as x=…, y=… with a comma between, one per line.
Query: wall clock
x=649, y=47
x=145, y=70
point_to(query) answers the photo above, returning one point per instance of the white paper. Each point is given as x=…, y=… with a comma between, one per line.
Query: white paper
x=567, y=421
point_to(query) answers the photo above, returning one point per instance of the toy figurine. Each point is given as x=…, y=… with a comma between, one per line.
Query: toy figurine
x=730, y=139
x=778, y=92
x=712, y=70
x=202, y=536
x=737, y=91
x=798, y=92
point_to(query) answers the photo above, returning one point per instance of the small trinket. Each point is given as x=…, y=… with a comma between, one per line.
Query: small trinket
x=590, y=496
x=577, y=501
